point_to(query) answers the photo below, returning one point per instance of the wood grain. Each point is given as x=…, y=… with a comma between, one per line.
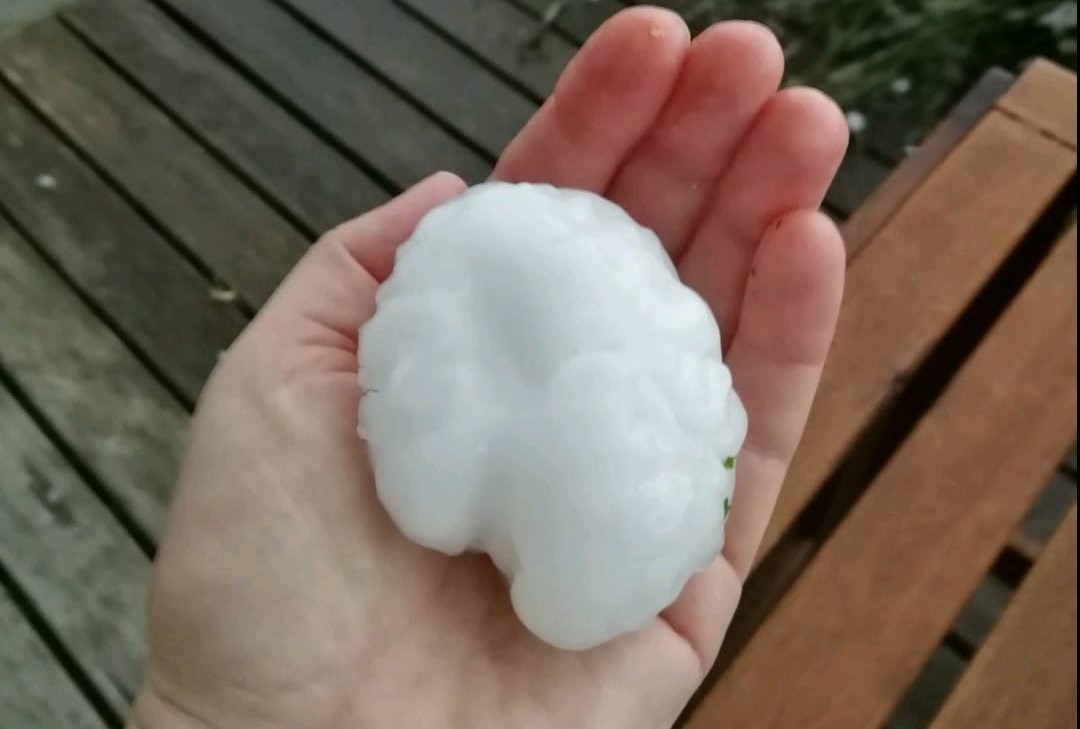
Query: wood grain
x=290, y=163
x=496, y=31
x=84, y=575
x=212, y=213
x=852, y=634
x=108, y=253
x=330, y=92
x=1025, y=674
x=87, y=385
x=35, y=692
x=421, y=63
x=912, y=282
x=888, y=197
x=1045, y=96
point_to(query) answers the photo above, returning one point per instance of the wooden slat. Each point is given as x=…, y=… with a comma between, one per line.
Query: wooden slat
x=216, y=217
x=852, y=634
x=35, y=693
x=912, y=282
x=873, y=213
x=1025, y=674
x=463, y=93
x=296, y=168
x=1045, y=96
x=497, y=31
x=96, y=396
x=579, y=19
x=113, y=257
x=73, y=561
x=330, y=91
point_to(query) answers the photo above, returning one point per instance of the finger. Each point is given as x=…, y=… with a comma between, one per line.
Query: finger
x=605, y=101
x=786, y=163
x=788, y=319
x=731, y=70
x=332, y=289
x=704, y=610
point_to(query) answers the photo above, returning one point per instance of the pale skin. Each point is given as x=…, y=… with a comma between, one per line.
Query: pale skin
x=282, y=594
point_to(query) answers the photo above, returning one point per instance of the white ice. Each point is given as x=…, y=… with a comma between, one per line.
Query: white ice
x=538, y=385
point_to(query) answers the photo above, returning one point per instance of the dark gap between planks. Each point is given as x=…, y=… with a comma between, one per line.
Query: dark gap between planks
x=59, y=652
x=115, y=186
x=507, y=78
x=140, y=536
x=267, y=89
x=915, y=395
x=250, y=181
x=446, y=125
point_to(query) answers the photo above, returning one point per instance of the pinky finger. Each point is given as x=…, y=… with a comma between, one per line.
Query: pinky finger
x=786, y=326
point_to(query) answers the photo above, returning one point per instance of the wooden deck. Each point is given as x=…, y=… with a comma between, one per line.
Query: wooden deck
x=164, y=162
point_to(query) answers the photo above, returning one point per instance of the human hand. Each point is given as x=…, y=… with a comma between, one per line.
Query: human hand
x=284, y=597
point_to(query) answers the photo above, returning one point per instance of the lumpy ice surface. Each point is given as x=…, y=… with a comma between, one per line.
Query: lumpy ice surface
x=539, y=385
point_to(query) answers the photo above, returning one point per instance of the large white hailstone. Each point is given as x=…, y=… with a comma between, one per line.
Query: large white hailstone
x=538, y=385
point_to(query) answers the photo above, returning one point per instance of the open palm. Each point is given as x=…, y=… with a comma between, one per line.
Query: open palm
x=284, y=597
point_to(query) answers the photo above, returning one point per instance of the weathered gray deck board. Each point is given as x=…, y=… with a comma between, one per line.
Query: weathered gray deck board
x=236, y=131
x=331, y=92
x=85, y=576
x=420, y=62
x=123, y=425
x=496, y=31
x=290, y=163
x=578, y=19
x=211, y=212
x=108, y=253
x=35, y=693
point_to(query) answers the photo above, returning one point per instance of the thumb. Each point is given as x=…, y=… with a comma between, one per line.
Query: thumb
x=331, y=291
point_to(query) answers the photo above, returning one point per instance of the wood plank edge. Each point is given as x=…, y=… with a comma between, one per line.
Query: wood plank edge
x=895, y=420
x=55, y=646
x=889, y=197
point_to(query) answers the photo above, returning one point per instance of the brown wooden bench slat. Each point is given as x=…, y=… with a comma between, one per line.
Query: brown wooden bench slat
x=35, y=692
x=110, y=254
x=95, y=395
x=1045, y=96
x=496, y=31
x=910, y=284
x=454, y=87
x=84, y=575
x=330, y=92
x=1025, y=674
x=213, y=214
x=886, y=198
x=278, y=154
x=851, y=635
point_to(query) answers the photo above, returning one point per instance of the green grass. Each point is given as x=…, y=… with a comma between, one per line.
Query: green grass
x=898, y=65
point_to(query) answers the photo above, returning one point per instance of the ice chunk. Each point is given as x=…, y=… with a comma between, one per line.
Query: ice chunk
x=540, y=386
